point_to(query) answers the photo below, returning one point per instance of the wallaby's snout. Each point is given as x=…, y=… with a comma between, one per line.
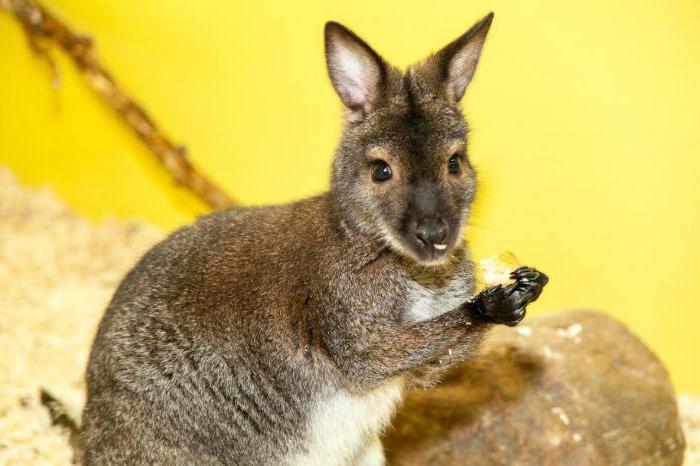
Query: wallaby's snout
x=432, y=237
x=432, y=234
x=429, y=230
x=402, y=169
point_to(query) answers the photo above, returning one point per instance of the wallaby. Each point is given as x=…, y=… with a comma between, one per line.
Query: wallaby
x=287, y=334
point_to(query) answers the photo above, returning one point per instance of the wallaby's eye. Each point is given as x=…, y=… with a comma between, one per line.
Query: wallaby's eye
x=381, y=171
x=454, y=165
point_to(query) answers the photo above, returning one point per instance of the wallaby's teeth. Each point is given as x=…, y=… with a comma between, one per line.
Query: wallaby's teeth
x=440, y=247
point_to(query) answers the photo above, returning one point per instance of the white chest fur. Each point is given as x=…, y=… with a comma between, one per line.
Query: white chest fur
x=425, y=302
x=344, y=426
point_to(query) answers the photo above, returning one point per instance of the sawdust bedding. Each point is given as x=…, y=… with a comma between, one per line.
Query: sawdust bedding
x=57, y=272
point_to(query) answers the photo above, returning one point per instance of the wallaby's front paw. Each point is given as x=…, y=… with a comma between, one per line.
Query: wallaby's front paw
x=506, y=304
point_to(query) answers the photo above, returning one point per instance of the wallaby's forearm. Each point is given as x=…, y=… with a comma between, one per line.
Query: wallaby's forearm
x=386, y=346
x=390, y=348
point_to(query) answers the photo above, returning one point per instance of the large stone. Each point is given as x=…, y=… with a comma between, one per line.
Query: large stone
x=570, y=388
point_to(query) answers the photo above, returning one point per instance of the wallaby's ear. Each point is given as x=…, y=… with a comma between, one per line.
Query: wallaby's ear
x=357, y=72
x=457, y=62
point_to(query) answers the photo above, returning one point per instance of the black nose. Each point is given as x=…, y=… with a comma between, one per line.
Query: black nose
x=431, y=233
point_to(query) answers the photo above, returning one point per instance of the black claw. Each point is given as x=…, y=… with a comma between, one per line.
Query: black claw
x=529, y=274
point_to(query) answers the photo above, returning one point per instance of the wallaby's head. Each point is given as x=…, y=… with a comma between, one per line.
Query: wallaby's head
x=401, y=170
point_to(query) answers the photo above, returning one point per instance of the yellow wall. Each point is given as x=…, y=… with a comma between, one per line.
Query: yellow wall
x=585, y=119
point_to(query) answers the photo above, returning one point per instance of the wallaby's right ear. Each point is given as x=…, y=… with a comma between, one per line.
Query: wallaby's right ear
x=448, y=72
x=356, y=71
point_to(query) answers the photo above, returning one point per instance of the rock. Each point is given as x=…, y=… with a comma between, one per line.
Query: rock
x=570, y=388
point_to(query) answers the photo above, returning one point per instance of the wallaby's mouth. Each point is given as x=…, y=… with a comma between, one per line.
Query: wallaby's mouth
x=431, y=253
x=419, y=248
x=429, y=240
x=426, y=250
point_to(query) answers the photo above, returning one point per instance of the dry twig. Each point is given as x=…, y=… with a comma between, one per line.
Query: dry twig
x=43, y=29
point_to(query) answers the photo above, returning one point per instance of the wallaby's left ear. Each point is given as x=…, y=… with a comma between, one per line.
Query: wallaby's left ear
x=457, y=61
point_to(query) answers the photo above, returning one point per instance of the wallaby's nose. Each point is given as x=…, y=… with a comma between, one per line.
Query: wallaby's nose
x=432, y=234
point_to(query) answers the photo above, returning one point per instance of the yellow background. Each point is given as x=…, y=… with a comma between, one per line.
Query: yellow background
x=585, y=118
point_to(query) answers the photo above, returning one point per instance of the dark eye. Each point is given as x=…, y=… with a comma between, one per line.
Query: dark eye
x=381, y=171
x=454, y=165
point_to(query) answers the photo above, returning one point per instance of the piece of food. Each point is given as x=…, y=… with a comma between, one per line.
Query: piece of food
x=496, y=270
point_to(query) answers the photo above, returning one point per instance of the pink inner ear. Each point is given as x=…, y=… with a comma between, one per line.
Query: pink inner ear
x=462, y=69
x=354, y=75
x=353, y=96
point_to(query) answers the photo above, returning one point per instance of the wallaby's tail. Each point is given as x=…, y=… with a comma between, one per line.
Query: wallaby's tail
x=61, y=418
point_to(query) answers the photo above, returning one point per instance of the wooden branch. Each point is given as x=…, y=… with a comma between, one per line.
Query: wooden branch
x=43, y=30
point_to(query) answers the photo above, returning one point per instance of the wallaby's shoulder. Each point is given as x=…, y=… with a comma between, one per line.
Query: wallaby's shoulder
x=243, y=233
x=262, y=225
